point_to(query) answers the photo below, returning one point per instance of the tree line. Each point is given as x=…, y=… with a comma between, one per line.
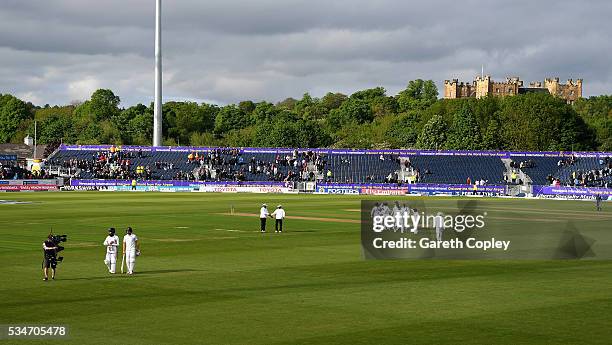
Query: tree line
x=414, y=118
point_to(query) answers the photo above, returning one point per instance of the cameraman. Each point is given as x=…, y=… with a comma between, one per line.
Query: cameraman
x=49, y=261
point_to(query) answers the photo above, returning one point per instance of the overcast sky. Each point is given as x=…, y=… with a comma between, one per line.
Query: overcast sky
x=57, y=51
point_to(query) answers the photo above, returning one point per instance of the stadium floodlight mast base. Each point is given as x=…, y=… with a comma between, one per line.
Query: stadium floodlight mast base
x=157, y=112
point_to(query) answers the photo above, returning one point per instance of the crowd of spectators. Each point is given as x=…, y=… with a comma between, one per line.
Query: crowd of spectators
x=232, y=165
x=567, y=161
x=393, y=177
x=117, y=164
x=598, y=177
x=526, y=164
x=112, y=164
x=14, y=172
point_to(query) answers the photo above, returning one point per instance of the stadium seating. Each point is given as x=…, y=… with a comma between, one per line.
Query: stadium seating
x=179, y=160
x=350, y=168
x=543, y=166
x=456, y=169
x=10, y=172
x=239, y=165
x=562, y=168
x=330, y=166
x=599, y=173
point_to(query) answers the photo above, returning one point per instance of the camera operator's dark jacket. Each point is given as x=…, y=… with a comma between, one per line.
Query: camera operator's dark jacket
x=50, y=244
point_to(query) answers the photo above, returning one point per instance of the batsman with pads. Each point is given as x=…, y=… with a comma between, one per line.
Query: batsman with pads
x=131, y=249
x=111, y=242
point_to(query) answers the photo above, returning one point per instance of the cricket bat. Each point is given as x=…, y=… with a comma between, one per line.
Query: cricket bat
x=122, y=262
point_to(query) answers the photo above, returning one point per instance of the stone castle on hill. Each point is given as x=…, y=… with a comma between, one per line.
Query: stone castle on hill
x=483, y=86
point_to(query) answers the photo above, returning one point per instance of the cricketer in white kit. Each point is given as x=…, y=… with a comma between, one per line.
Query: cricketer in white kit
x=279, y=215
x=439, y=225
x=111, y=242
x=131, y=249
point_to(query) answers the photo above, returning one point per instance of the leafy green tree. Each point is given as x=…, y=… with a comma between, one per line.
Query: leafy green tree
x=40, y=114
x=355, y=135
x=104, y=104
x=288, y=104
x=538, y=121
x=356, y=109
x=380, y=104
x=262, y=134
x=433, y=135
x=484, y=109
x=575, y=134
x=310, y=108
x=56, y=128
x=203, y=139
x=464, y=133
x=121, y=121
x=310, y=134
x=109, y=134
x=184, y=118
x=25, y=128
x=369, y=95
x=333, y=100
x=596, y=111
x=284, y=134
x=403, y=131
x=247, y=106
x=240, y=137
x=141, y=128
x=383, y=106
x=302, y=105
x=13, y=111
x=263, y=111
x=90, y=134
x=230, y=118
x=418, y=95
x=82, y=112
x=490, y=138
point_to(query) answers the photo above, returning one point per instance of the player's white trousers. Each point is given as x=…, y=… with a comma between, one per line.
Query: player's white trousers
x=439, y=232
x=130, y=260
x=111, y=262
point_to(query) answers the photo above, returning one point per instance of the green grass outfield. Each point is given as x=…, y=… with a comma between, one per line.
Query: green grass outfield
x=209, y=278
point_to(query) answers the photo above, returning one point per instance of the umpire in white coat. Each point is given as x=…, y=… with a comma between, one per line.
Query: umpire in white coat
x=263, y=216
x=279, y=215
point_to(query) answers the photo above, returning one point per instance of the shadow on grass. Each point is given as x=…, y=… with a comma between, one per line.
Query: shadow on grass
x=138, y=273
x=166, y=271
x=114, y=276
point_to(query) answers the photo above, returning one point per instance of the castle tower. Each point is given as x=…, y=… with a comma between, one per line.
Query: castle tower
x=579, y=87
x=450, y=88
x=570, y=92
x=483, y=86
x=552, y=84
